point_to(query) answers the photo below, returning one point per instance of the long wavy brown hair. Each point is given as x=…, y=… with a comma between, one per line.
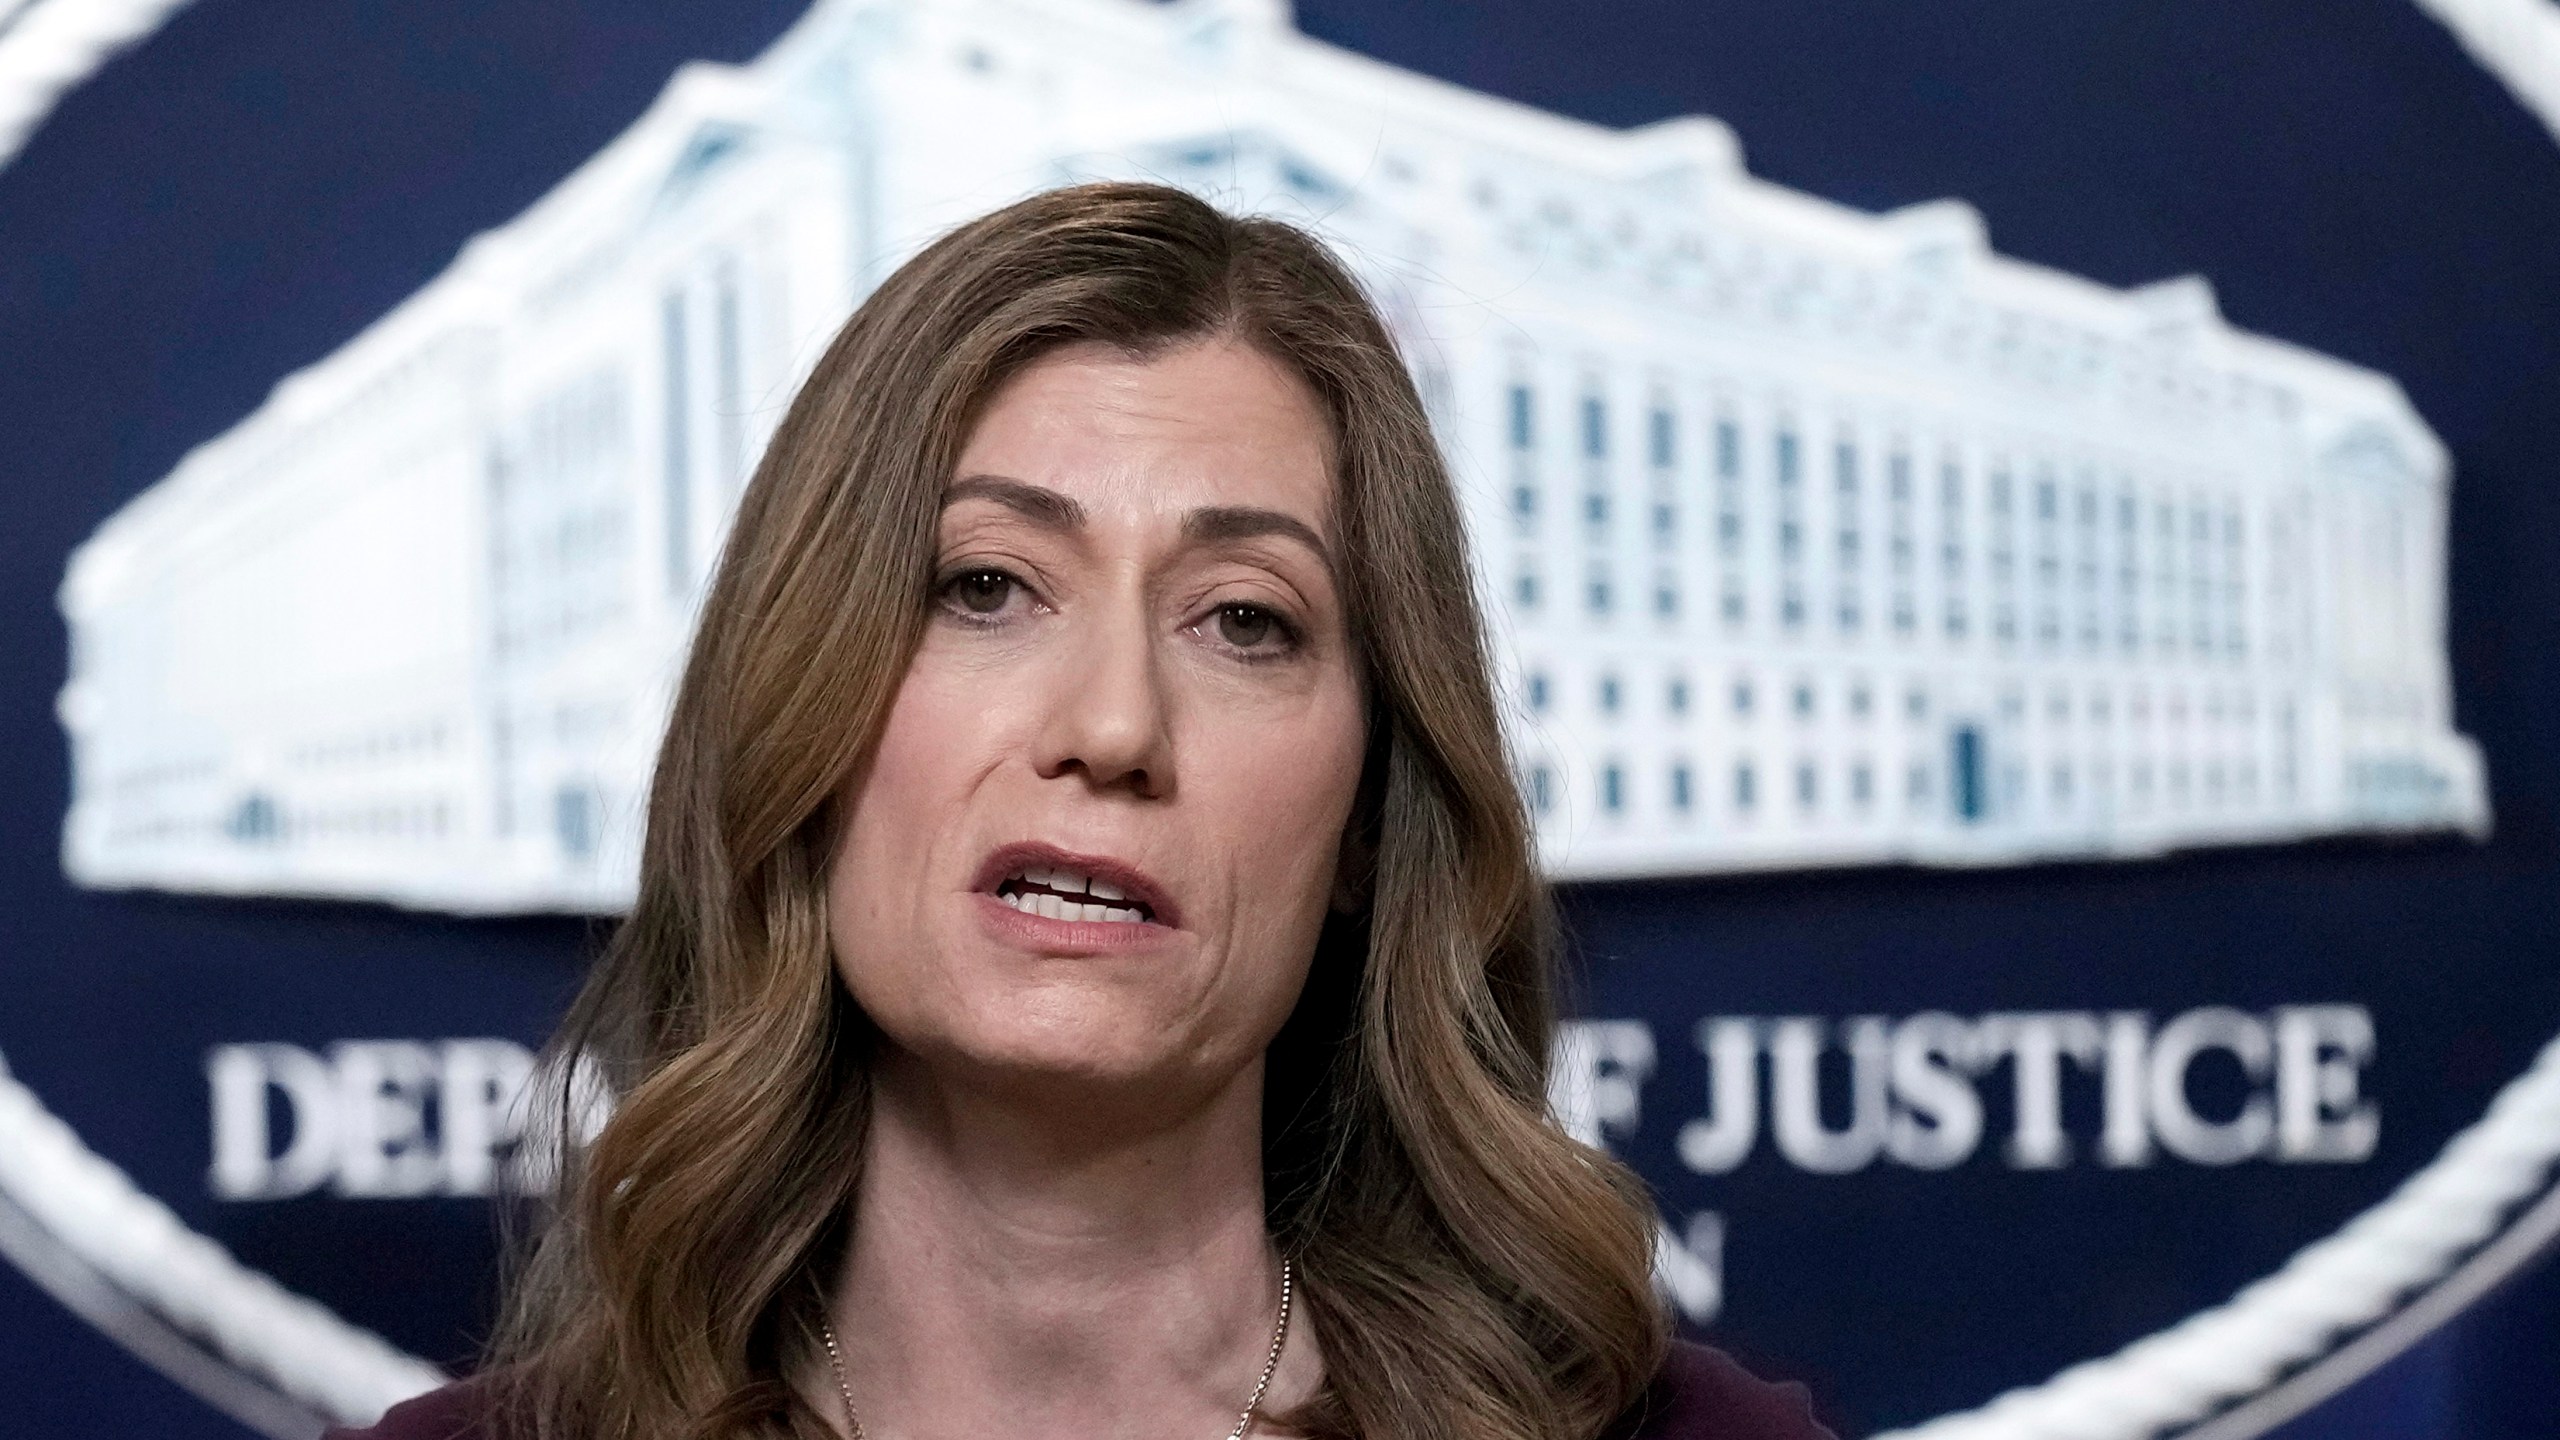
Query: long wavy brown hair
x=1471, y=1271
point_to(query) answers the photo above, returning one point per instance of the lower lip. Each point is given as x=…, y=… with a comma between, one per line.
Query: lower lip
x=1028, y=931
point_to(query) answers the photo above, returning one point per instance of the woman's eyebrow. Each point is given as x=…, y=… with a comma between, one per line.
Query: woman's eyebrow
x=1038, y=504
x=1208, y=525
x=1212, y=524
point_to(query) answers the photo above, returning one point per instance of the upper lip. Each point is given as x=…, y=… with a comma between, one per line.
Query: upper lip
x=1136, y=884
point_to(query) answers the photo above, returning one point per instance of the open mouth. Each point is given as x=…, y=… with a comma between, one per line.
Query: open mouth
x=1062, y=894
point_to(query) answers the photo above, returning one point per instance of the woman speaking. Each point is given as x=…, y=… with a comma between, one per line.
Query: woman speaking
x=1089, y=977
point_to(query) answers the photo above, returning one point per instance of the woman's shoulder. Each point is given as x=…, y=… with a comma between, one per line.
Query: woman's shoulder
x=459, y=1411
x=1703, y=1394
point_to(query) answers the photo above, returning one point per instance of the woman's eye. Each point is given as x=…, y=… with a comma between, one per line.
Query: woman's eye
x=980, y=592
x=1247, y=627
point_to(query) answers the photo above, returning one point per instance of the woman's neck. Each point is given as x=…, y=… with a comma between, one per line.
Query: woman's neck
x=1019, y=1267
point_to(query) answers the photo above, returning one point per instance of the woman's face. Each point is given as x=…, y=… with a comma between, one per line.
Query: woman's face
x=1100, y=832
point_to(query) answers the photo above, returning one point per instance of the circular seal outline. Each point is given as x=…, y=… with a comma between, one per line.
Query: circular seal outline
x=2481, y=1210
x=283, y=1364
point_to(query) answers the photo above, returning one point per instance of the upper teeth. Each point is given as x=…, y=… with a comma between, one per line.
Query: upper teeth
x=1069, y=882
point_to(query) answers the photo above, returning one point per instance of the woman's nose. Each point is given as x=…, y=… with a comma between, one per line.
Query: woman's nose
x=1108, y=715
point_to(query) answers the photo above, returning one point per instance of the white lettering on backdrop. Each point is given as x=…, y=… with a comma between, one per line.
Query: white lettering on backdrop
x=1843, y=1095
x=377, y=1119
x=2209, y=1086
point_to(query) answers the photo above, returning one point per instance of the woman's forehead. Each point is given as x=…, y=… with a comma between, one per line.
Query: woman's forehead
x=1209, y=423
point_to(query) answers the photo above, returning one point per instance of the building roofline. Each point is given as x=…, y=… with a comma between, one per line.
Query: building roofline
x=1258, y=39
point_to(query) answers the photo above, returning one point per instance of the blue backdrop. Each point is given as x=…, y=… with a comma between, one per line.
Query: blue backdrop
x=237, y=196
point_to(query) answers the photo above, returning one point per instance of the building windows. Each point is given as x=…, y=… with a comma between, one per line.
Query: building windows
x=256, y=820
x=2234, y=589
x=2128, y=573
x=2048, y=561
x=1666, y=600
x=2164, y=563
x=1676, y=696
x=1804, y=700
x=1901, y=547
x=1862, y=785
x=1538, y=691
x=1596, y=591
x=1844, y=469
x=1968, y=775
x=577, y=820
x=2003, y=556
x=1848, y=538
x=1680, y=788
x=1861, y=700
x=1609, y=695
x=1951, y=549
x=1746, y=787
x=1542, y=789
x=1742, y=697
x=1524, y=502
x=2085, y=509
x=1659, y=435
x=679, y=445
x=1613, y=788
x=1808, y=785
x=1524, y=588
x=1790, y=530
x=1728, y=461
x=730, y=372
x=1595, y=474
x=1523, y=419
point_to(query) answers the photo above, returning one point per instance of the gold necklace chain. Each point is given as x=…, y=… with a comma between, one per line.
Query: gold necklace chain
x=1244, y=1422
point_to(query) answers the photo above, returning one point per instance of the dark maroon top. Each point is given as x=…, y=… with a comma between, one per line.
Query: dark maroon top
x=1700, y=1394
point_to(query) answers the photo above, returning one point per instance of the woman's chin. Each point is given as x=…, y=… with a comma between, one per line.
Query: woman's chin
x=1087, y=1065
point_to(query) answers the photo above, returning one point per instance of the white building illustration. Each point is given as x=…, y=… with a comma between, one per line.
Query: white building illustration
x=1813, y=536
